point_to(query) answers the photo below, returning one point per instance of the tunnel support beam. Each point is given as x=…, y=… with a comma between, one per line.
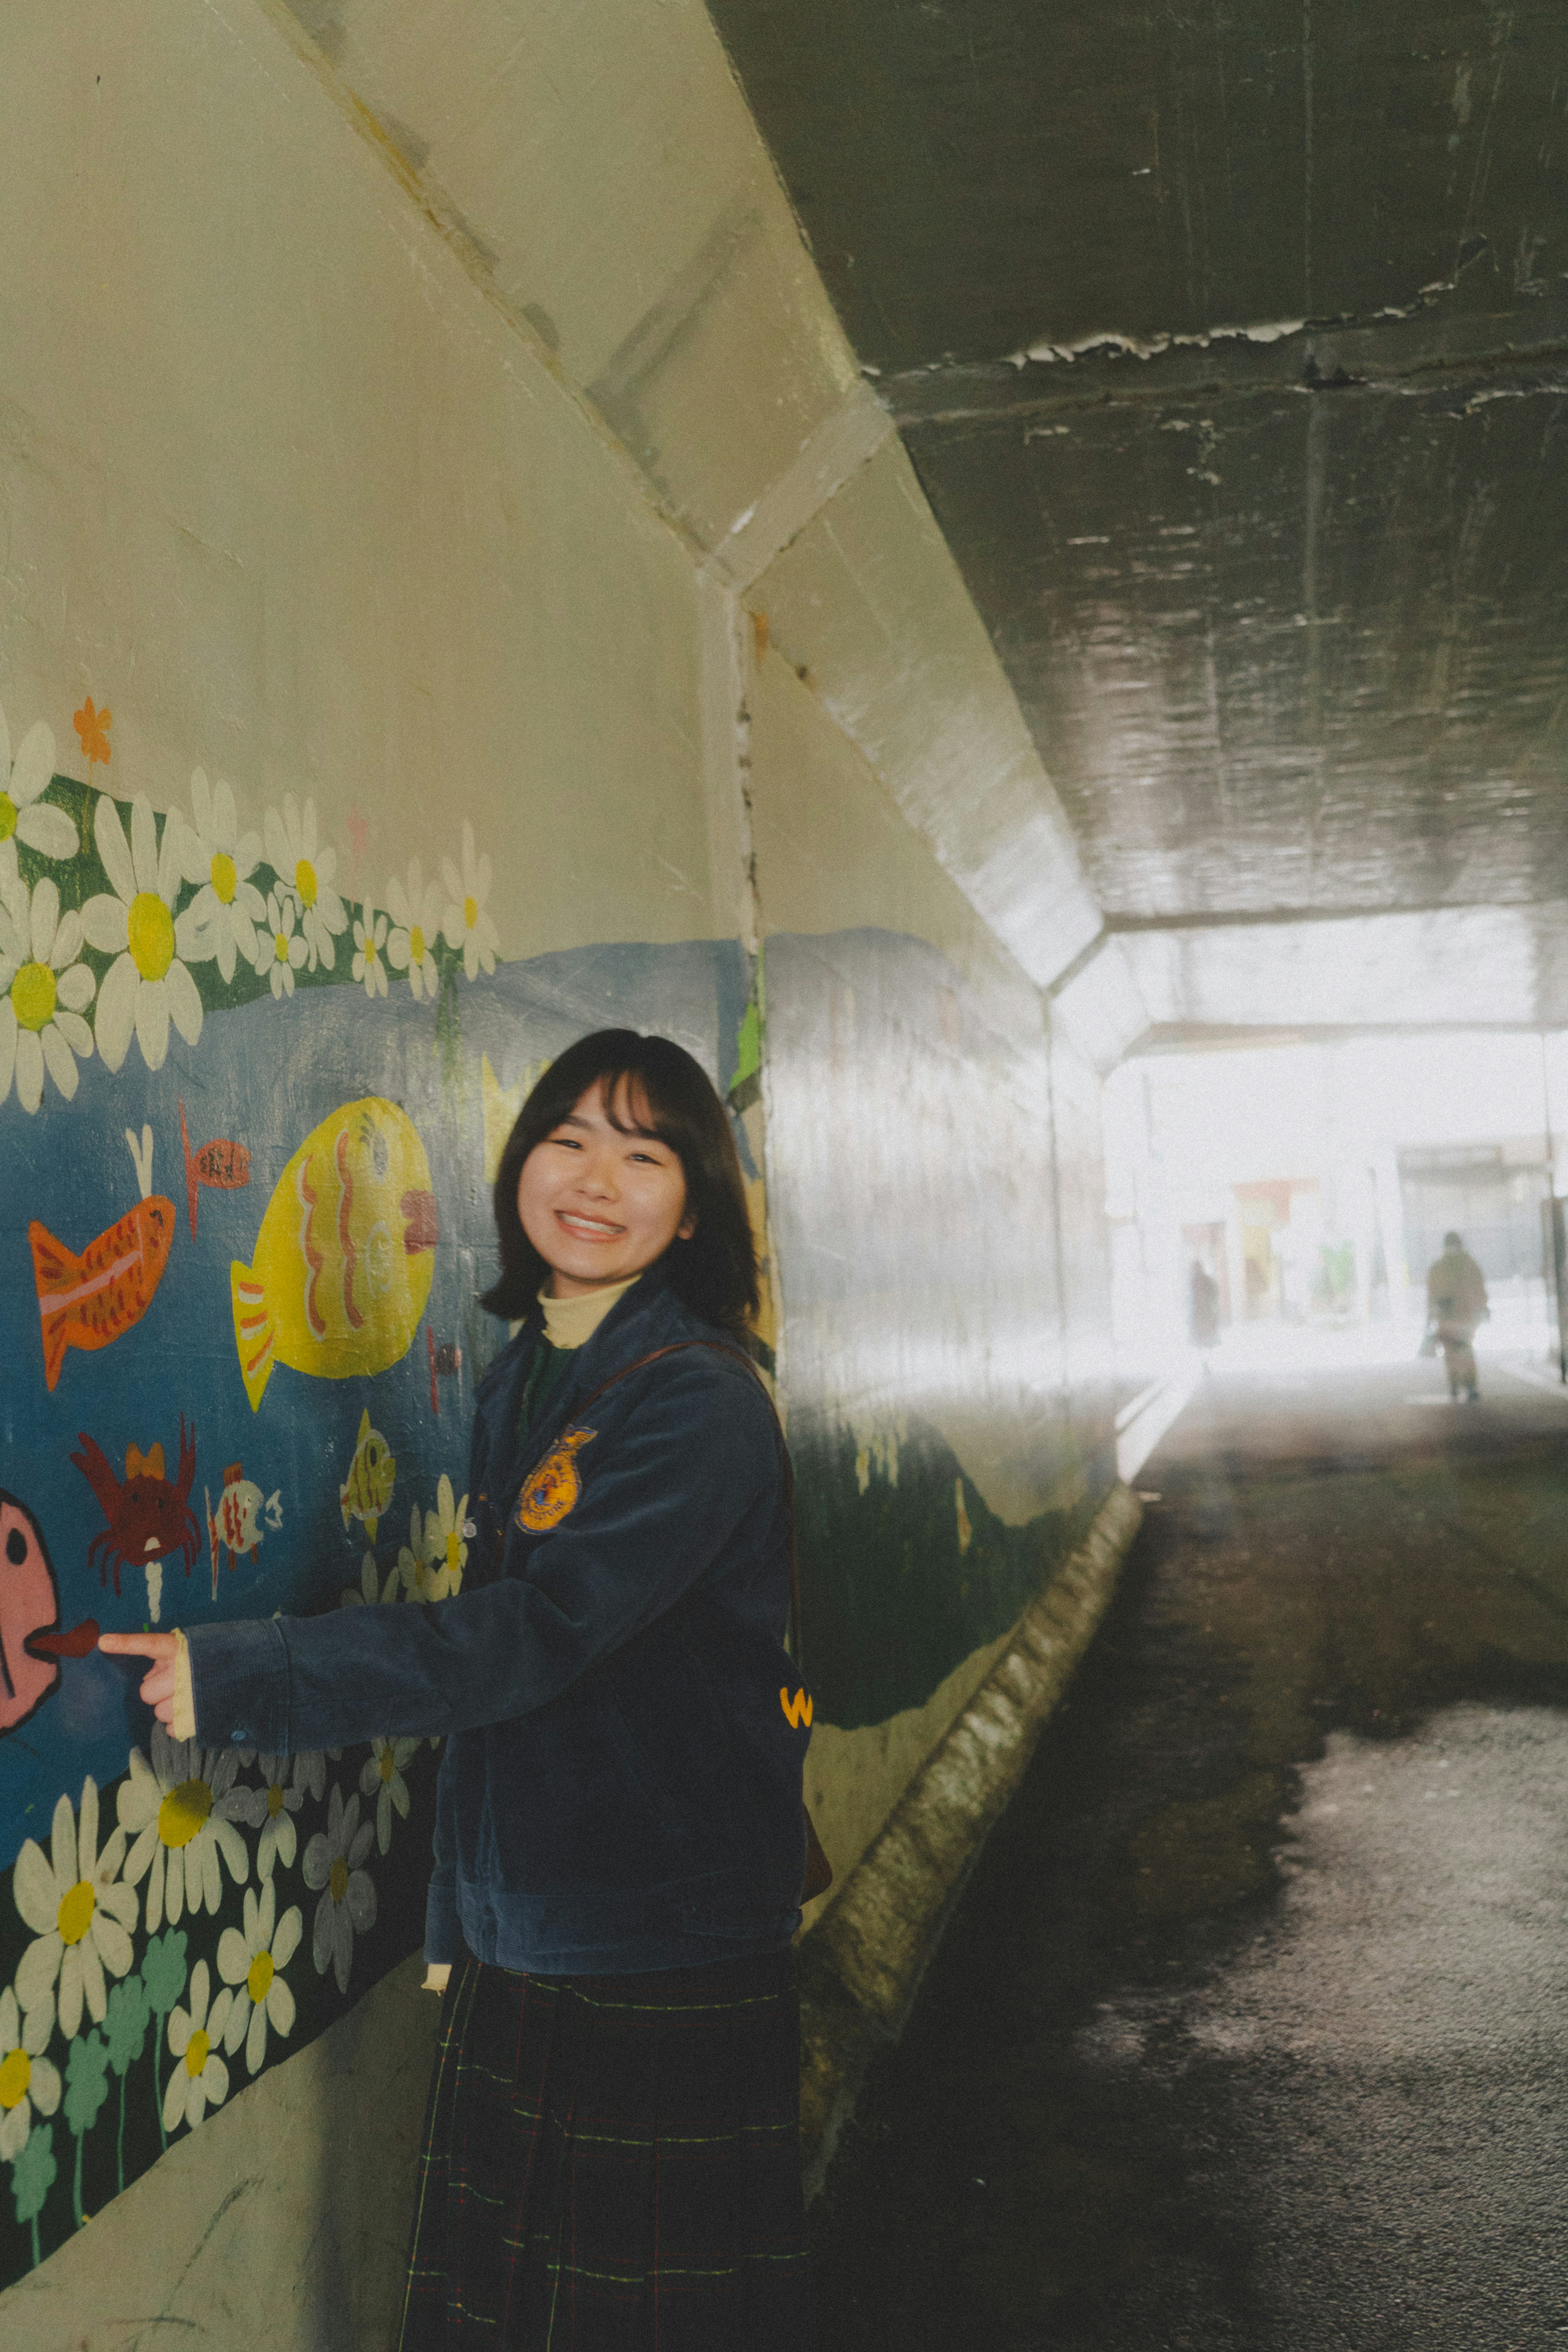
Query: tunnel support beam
x=860, y=1967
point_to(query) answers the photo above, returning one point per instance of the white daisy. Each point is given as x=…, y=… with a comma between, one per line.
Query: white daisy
x=445, y=1551
x=212, y=851
x=413, y=1566
x=45, y=993
x=416, y=923
x=81, y=1911
x=280, y=949
x=381, y=1778
x=370, y=959
x=332, y=1862
x=371, y=1588
x=466, y=925
x=27, y=2079
x=254, y=1963
x=307, y=871
x=275, y=1805
x=182, y=1810
x=148, y=985
x=310, y=1772
x=203, y=2081
x=23, y=816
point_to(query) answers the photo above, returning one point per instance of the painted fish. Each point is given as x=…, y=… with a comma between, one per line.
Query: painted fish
x=87, y=1301
x=223, y=1165
x=31, y=1641
x=342, y=1264
x=236, y=1525
x=367, y=1490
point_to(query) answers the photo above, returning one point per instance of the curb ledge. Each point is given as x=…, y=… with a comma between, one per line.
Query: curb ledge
x=859, y=1969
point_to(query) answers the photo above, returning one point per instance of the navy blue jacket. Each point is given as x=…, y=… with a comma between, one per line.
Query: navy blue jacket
x=621, y=1788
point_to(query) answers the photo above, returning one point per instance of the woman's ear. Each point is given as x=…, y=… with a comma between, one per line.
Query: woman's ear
x=686, y=1228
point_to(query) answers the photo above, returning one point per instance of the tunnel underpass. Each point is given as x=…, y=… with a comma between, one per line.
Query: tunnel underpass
x=997, y=573
x=1250, y=2028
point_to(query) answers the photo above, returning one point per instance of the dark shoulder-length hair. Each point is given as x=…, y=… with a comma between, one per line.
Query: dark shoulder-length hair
x=714, y=1272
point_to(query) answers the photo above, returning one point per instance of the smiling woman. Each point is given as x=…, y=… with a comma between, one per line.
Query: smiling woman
x=613, y=2132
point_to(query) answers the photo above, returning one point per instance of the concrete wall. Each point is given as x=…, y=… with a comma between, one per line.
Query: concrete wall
x=433, y=414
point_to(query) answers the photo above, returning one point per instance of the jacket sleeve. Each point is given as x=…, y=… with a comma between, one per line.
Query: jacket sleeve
x=695, y=1452
x=443, y=1939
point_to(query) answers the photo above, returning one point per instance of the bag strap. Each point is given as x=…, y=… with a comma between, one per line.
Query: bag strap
x=717, y=1347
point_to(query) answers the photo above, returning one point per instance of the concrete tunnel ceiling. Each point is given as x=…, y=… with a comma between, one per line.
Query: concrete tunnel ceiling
x=1230, y=347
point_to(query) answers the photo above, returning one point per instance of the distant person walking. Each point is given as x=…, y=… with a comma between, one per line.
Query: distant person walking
x=1455, y=1305
x=1202, y=1316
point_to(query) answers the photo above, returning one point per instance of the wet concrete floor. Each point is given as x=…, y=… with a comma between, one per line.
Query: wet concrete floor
x=1250, y=2030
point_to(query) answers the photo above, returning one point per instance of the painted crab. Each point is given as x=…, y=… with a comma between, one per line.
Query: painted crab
x=149, y=1518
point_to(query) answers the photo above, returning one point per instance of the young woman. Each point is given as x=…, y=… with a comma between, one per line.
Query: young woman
x=610, y=2159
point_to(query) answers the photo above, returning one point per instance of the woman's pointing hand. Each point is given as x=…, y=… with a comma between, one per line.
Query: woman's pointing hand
x=158, y=1684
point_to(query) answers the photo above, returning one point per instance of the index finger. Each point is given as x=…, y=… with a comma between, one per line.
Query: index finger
x=138, y=1645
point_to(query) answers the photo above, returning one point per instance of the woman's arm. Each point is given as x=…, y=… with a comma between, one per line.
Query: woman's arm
x=696, y=1454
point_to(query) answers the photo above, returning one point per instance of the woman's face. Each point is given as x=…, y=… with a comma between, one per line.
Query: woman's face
x=599, y=1204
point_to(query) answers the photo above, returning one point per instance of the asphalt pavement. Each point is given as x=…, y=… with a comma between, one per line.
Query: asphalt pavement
x=1249, y=2032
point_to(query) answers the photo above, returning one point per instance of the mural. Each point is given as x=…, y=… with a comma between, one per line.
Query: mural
x=242, y=1226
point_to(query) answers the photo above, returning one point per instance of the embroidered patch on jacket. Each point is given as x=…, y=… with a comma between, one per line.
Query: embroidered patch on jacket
x=798, y=1709
x=553, y=1488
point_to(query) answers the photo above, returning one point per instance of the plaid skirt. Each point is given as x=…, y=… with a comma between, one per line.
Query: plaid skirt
x=611, y=2164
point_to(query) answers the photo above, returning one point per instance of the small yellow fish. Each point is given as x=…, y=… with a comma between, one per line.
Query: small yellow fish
x=372, y=1473
x=342, y=1264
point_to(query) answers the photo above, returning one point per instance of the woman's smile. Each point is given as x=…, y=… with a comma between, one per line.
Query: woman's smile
x=595, y=1228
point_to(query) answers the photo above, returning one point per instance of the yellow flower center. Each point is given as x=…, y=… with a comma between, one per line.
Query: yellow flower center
x=388, y=1767
x=226, y=879
x=75, y=1915
x=33, y=996
x=370, y=947
x=151, y=930
x=183, y=1812
x=259, y=1976
x=470, y=910
x=7, y=816
x=16, y=2074
x=274, y=1802
x=416, y=944
x=196, y=2050
x=338, y=1880
x=453, y=1559
x=305, y=882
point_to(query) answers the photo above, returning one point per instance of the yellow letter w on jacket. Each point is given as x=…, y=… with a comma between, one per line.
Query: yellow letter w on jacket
x=798, y=1709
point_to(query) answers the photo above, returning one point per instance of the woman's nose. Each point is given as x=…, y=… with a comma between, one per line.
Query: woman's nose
x=598, y=1177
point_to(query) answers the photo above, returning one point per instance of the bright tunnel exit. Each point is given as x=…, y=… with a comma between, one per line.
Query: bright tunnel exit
x=1275, y=1207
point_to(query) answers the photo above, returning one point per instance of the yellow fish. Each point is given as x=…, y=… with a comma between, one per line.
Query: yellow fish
x=342, y=1263
x=372, y=1473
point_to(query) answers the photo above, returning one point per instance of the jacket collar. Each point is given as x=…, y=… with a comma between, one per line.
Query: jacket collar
x=647, y=1316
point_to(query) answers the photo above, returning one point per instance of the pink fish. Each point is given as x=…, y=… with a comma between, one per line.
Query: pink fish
x=31, y=1640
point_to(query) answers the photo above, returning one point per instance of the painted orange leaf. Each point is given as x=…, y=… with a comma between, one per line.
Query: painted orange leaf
x=93, y=727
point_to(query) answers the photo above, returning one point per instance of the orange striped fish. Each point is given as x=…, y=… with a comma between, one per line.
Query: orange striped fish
x=87, y=1301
